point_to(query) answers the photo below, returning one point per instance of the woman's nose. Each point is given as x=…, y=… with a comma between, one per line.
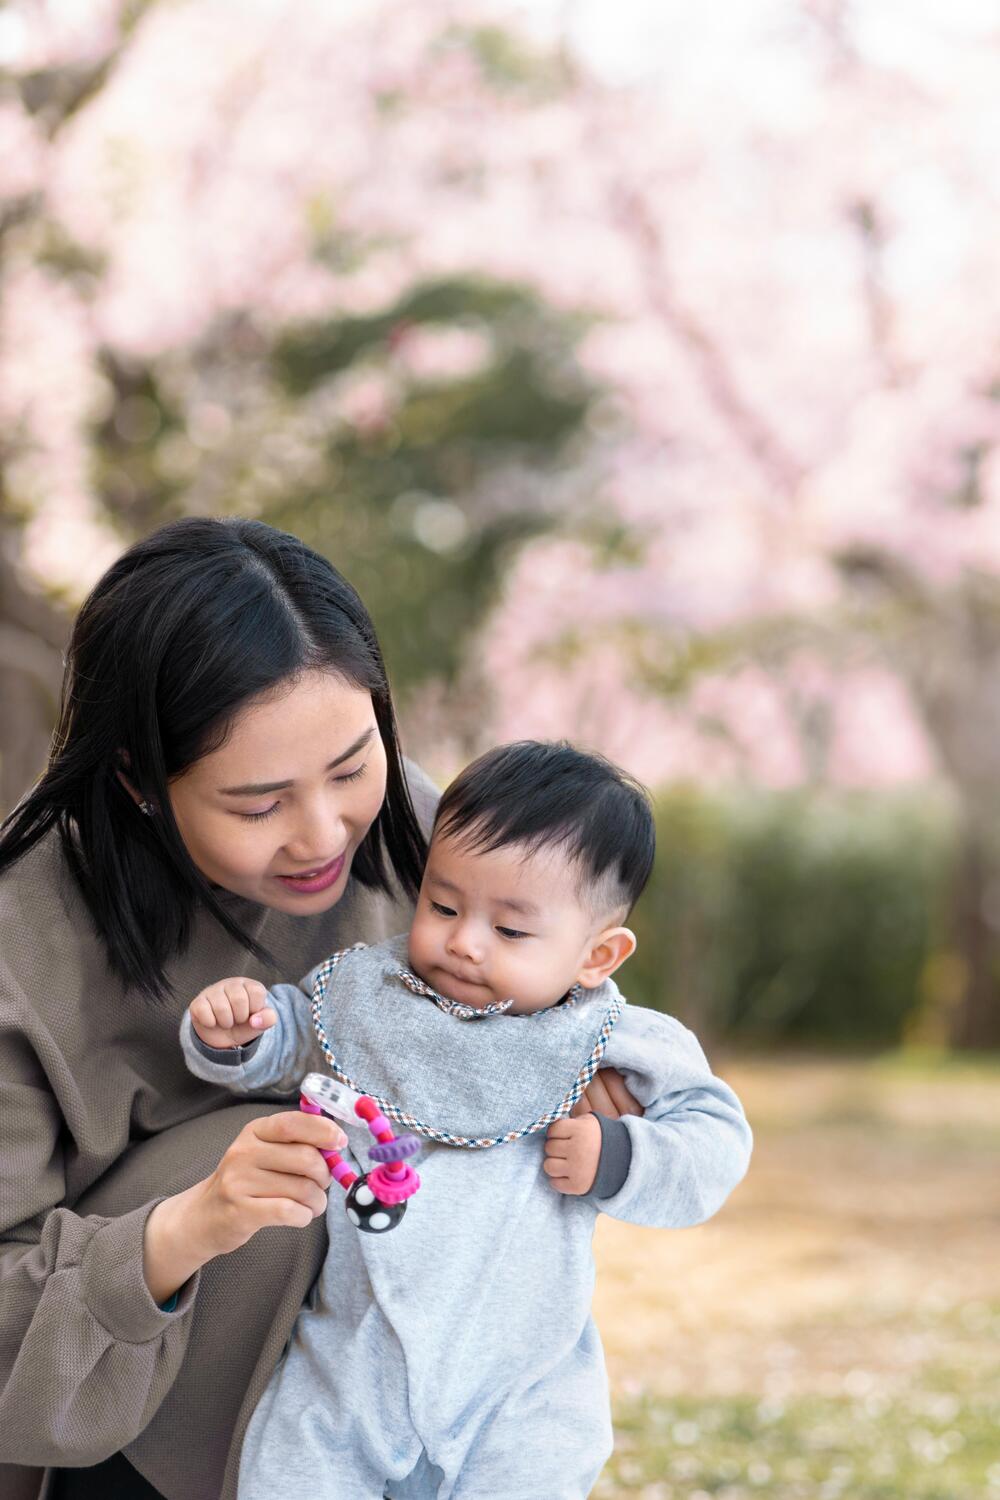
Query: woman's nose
x=320, y=836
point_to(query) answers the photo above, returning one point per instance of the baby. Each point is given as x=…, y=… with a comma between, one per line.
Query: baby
x=456, y=1357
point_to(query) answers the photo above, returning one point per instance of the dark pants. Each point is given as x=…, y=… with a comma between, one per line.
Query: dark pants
x=114, y=1479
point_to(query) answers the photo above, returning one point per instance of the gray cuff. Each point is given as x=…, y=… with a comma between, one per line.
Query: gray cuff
x=615, y=1159
x=230, y=1057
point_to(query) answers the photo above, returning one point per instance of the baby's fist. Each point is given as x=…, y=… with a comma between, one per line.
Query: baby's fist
x=231, y=1013
x=572, y=1152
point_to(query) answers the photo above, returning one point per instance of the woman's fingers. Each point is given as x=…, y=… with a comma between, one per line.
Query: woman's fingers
x=622, y=1101
x=297, y=1189
x=594, y=1100
x=296, y=1126
x=272, y=1173
x=606, y=1094
x=305, y=1160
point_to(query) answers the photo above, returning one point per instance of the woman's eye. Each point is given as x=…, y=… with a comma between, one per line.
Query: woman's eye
x=512, y=932
x=353, y=775
x=268, y=812
x=442, y=911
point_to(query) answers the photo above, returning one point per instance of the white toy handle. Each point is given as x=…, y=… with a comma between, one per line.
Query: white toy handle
x=331, y=1097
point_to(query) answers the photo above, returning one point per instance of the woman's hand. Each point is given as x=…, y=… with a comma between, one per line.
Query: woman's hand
x=272, y=1173
x=606, y=1094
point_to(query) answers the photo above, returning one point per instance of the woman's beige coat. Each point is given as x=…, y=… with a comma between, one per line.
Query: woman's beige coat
x=99, y=1120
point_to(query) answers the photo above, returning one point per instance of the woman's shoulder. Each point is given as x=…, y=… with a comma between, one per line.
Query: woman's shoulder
x=39, y=883
x=44, y=922
x=424, y=795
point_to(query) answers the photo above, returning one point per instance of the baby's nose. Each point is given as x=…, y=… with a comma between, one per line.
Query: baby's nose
x=466, y=943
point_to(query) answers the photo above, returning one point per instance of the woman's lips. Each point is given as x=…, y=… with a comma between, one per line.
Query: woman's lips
x=316, y=880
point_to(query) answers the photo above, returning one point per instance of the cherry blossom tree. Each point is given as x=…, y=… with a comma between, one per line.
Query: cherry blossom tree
x=751, y=286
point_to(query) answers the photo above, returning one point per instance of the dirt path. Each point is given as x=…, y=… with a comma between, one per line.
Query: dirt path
x=862, y=1251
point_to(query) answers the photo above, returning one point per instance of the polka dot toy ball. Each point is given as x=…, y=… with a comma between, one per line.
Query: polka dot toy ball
x=376, y=1201
x=368, y=1213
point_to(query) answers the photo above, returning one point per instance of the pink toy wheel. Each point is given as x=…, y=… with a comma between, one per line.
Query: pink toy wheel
x=393, y=1185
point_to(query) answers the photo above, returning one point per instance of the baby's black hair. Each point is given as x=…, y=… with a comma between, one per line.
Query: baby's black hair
x=549, y=795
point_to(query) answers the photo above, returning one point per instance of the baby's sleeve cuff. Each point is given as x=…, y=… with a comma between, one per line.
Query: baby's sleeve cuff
x=230, y=1057
x=615, y=1159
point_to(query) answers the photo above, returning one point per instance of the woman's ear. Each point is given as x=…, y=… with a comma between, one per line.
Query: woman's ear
x=147, y=807
x=136, y=798
x=608, y=952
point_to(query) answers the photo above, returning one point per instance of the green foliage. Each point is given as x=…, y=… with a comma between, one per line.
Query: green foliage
x=421, y=505
x=58, y=93
x=935, y=1442
x=398, y=510
x=507, y=62
x=128, y=445
x=425, y=603
x=796, y=916
x=513, y=315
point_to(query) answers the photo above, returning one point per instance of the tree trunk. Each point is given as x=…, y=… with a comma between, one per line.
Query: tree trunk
x=975, y=1024
x=32, y=636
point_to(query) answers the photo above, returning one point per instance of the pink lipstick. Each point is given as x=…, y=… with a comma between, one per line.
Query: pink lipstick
x=313, y=881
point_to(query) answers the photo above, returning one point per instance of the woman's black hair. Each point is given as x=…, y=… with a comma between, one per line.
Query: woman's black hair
x=187, y=626
x=541, y=794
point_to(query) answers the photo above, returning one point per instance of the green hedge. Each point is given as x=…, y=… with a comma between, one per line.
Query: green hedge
x=799, y=916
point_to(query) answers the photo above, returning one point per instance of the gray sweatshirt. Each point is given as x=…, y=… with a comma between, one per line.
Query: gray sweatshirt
x=456, y=1355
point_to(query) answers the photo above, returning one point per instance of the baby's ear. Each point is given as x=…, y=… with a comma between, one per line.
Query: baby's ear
x=609, y=951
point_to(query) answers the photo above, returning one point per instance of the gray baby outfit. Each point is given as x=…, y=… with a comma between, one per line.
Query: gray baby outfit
x=455, y=1357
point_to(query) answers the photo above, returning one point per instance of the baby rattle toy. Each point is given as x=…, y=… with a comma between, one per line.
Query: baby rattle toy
x=376, y=1201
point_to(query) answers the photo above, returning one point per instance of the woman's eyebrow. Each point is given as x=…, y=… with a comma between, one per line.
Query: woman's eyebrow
x=253, y=789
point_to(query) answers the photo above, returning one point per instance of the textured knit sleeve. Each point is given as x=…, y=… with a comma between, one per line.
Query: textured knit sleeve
x=86, y=1356
x=692, y=1144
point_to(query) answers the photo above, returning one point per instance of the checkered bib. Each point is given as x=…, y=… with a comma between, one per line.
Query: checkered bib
x=444, y=1070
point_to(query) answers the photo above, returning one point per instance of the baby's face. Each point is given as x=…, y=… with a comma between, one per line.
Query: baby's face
x=501, y=925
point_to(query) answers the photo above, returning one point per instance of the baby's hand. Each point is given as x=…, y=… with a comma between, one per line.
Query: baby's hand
x=232, y=1012
x=572, y=1152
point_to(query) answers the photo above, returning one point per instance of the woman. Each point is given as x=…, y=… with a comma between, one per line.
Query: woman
x=226, y=794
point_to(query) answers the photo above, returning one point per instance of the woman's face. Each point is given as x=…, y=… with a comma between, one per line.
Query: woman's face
x=277, y=813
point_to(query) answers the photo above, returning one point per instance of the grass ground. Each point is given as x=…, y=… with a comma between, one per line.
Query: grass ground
x=835, y=1331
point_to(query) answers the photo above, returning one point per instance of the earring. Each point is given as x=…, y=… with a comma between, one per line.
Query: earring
x=148, y=809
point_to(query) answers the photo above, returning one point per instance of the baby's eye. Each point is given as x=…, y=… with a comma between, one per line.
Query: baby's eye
x=442, y=911
x=512, y=932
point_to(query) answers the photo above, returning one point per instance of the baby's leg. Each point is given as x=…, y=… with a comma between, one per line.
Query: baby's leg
x=306, y=1453
x=550, y=1442
x=334, y=1421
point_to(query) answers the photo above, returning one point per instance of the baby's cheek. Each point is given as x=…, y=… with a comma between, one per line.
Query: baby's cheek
x=420, y=943
x=530, y=983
